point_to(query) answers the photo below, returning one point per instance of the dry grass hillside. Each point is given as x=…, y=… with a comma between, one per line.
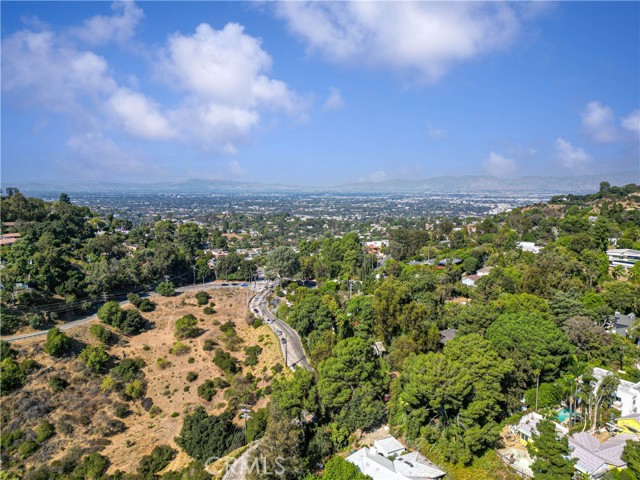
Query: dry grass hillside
x=84, y=416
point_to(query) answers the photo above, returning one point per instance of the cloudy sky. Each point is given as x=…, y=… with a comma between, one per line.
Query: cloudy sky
x=317, y=93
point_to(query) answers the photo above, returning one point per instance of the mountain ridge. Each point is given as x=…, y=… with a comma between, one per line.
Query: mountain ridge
x=446, y=183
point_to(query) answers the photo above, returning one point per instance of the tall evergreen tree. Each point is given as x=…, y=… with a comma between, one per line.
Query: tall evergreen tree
x=551, y=454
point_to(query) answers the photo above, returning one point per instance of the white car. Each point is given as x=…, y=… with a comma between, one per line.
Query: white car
x=279, y=332
x=269, y=321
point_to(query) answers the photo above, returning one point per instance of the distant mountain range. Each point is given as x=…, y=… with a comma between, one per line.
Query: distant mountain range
x=449, y=184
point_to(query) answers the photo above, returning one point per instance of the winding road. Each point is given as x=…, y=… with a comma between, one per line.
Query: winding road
x=292, y=349
x=82, y=321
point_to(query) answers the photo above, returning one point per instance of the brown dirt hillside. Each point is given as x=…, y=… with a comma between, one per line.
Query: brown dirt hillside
x=84, y=415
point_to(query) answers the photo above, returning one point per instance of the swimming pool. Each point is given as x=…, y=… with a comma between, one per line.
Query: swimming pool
x=563, y=414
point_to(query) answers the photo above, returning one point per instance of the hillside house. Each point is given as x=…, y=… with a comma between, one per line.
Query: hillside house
x=386, y=460
x=625, y=257
x=595, y=458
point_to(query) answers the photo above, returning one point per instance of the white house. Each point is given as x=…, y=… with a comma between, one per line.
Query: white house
x=376, y=463
x=389, y=446
x=529, y=247
x=470, y=280
x=627, y=395
x=595, y=458
x=623, y=256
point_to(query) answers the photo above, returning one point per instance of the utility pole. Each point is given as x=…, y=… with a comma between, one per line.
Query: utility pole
x=194, y=273
x=246, y=411
x=286, y=352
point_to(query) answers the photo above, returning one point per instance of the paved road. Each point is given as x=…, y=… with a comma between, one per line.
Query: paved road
x=240, y=467
x=292, y=349
x=82, y=321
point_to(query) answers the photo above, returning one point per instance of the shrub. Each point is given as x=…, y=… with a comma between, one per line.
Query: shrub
x=192, y=376
x=103, y=334
x=207, y=390
x=166, y=289
x=187, y=327
x=6, y=350
x=202, y=298
x=128, y=369
x=155, y=411
x=209, y=345
x=28, y=365
x=252, y=355
x=203, y=436
x=36, y=322
x=121, y=411
x=44, y=431
x=277, y=368
x=135, y=299
x=57, y=343
x=225, y=362
x=134, y=390
x=11, y=376
x=163, y=363
x=27, y=448
x=208, y=310
x=93, y=466
x=179, y=348
x=57, y=384
x=160, y=457
x=257, y=323
x=94, y=357
x=109, y=312
x=9, y=324
x=146, y=305
x=108, y=384
x=130, y=322
x=220, y=382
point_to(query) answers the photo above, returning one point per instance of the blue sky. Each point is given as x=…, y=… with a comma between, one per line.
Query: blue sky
x=317, y=93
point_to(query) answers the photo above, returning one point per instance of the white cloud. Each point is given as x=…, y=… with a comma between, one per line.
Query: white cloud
x=632, y=122
x=43, y=71
x=426, y=37
x=94, y=155
x=139, y=115
x=570, y=156
x=599, y=122
x=435, y=133
x=499, y=166
x=224, y=75
x=119, y=28
x=334, y=101
x=378, y=176
x=227, y=67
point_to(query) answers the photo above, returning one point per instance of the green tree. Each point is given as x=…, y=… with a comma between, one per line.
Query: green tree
x=631, y=455
x=352, y=365
x=166, y=289
x=204, y=436
x=160, y=457
x=454, y=399
x=202, y=297
x=283, y=261
x=187, y=327
x=57, y=343
x=550, y=453
x=94, y=357
x=110, y=312
x=530, y=340
x=11, y=377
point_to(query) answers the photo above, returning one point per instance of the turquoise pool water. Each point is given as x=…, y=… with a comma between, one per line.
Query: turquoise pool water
x=563, y=414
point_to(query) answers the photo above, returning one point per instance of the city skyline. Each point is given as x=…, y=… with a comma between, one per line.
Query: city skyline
x=317, y=93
